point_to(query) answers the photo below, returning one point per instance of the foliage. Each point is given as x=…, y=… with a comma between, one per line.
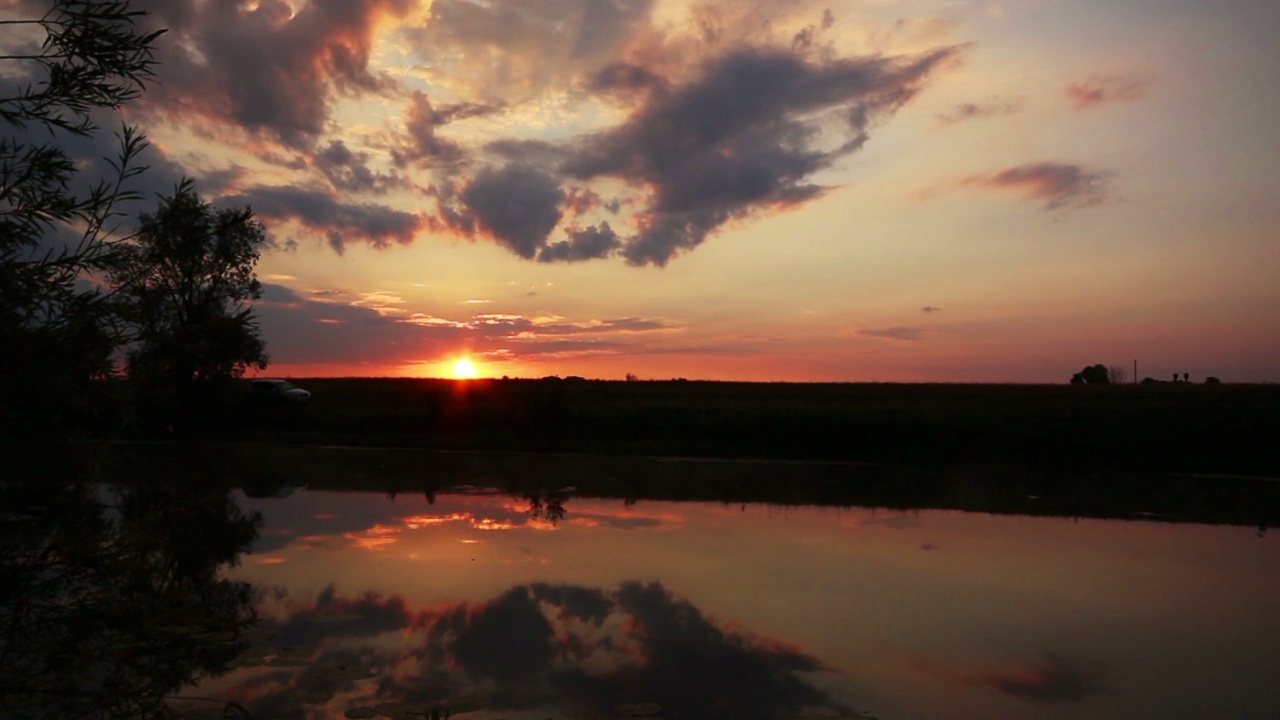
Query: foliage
x=113, y=599
x=186, y=282
x=80, y=57
x=1092, y=375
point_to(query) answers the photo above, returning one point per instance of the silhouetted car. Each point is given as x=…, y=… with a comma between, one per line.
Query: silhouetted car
x=277, y=391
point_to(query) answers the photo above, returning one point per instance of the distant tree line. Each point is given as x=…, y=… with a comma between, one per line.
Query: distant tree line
x=1118, y=374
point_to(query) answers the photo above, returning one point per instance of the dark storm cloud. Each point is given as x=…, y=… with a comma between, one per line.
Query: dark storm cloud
x=536, y=152
x=1054, y=680
x=1099, y=89
x=349, y=171
x=518, y=206
x=742, y=138
x=907, y=334
x=93, y=155
x=971, y=111
x=422, y=119
x=583, y=244
x=624, y=79
x=95, y=158
x=264, y=67
x=1058, y=185
x=340, y=222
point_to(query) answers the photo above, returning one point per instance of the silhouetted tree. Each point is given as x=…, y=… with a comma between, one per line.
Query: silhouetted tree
x=1095, y=375
x=186, y=282
x=1118, y=374
x=58, y=333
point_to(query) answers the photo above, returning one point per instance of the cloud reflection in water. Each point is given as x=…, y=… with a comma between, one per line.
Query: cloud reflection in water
x=564, y=649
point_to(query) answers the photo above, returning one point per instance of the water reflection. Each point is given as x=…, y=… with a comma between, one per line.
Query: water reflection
x=111, y=599
x=537, y=649
x=705, y=610
x=439, y=597
x=1014, y=490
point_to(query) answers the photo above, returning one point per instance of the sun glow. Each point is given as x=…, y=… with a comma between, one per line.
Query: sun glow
x=464, y=369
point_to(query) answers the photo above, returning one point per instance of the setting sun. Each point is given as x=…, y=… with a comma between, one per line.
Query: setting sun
x=464, y=369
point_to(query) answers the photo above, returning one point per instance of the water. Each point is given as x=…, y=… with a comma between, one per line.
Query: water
x=602, y=608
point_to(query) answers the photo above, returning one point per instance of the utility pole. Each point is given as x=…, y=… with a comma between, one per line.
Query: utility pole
x=1135, y=371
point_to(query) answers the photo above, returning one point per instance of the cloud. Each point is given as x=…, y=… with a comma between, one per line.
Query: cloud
x=711, y=131
x=929, y=309
x=625, y=79
x=336, y=328
x=994, y=107
x=1099, y=89
x=1054, y=680
x=518, y=206
x=318, y=329
x=349, y=171
x=699, y=131
x=583, y=244
x=743, y=137
x=422, y=119
x=264, y=66
x=906, y=334
x=1058, y=185
x=515, y=50
x=339, y=222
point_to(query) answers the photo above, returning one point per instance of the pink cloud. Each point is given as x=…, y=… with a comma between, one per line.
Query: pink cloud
x=1059, y=185
x=1098, y=89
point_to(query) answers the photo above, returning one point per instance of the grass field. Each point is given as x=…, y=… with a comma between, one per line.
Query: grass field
x=1165, y=427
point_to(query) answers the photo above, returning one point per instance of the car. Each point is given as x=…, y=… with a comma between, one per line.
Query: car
x=277, y=391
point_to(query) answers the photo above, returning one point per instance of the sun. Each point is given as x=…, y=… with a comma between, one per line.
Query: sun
x=464, y=369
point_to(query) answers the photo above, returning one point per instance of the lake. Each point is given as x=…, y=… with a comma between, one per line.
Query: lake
x=470, y=600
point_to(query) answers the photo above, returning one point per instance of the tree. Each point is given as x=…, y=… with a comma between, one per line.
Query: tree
x=1118, y=374
x=1093, y=375
x=186, y=282
x=80, y=58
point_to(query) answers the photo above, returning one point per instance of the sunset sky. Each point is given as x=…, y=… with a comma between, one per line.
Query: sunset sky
x=867, y=190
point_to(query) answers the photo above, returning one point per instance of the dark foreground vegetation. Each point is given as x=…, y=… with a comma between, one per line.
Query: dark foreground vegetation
x=1181, y=428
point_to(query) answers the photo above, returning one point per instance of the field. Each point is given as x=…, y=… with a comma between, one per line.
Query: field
x=1212, y=429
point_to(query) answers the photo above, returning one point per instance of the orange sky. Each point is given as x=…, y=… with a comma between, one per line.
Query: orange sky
x=910, y=190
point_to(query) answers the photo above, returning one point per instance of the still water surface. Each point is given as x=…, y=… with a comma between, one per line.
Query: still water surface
x=704, y=610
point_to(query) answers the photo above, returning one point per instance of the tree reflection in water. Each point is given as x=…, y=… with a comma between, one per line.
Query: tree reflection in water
x=548, y=506
x=111, y=598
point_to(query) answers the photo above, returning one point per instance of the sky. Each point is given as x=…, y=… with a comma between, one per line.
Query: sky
x=861, y=190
